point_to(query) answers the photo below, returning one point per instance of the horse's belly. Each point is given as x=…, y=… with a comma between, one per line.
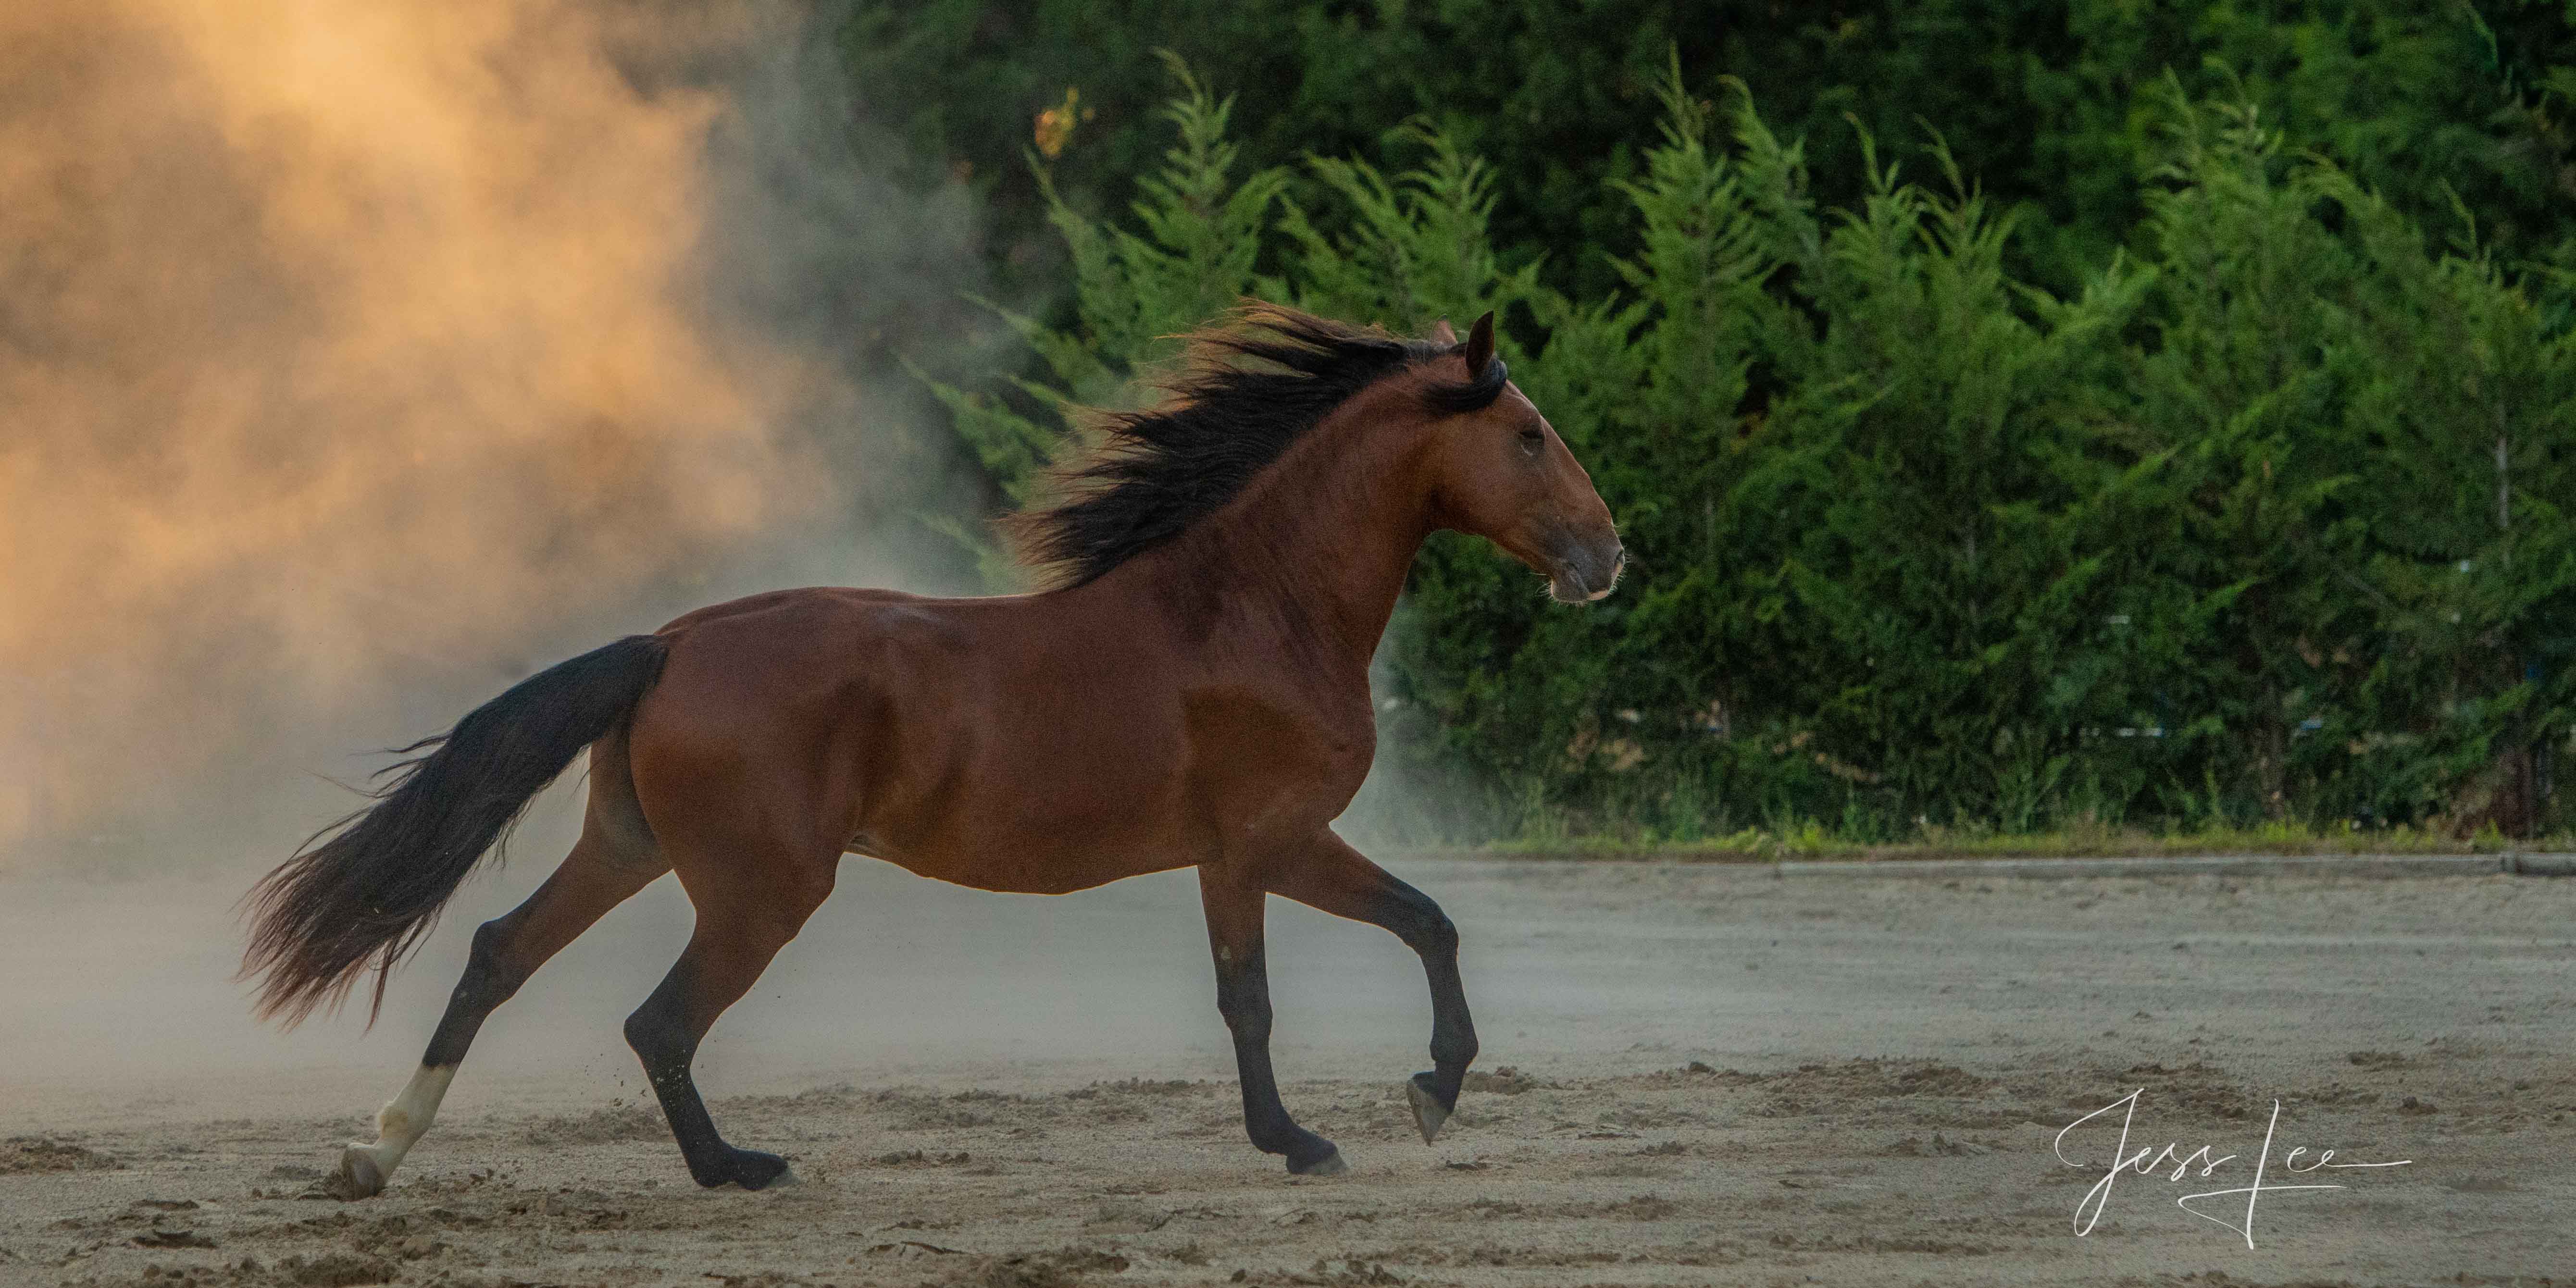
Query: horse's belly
x=1036, y=877
x=1041, y=820
x=1021, y=861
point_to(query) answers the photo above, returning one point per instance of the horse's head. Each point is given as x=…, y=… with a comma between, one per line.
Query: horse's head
x=1500, y=472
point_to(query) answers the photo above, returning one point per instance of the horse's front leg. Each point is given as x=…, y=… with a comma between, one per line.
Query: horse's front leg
x=1234, y=916
x=1331, y=876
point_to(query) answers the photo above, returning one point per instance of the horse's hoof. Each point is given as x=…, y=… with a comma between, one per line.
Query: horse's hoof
x=754, y=1170
x=1427, y=1113
x=358, y=1177
x=1329, y=1165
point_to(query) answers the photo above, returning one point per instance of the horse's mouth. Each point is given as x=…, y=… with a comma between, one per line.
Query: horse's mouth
x=1580, y=566
x=1566, y=585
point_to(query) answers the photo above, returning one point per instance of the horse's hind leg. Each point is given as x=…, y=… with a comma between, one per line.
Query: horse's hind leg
x=507, y=950
x=747, y=911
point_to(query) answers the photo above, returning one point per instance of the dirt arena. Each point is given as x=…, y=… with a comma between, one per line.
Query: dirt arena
x=1691, y=1075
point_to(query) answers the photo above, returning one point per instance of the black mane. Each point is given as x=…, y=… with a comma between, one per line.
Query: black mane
x=1246, y=390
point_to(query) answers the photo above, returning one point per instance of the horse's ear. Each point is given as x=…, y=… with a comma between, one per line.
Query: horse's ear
x=1440, y=331
x=1480, y=345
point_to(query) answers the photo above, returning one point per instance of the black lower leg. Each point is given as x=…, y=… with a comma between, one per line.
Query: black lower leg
x=489, y=980
x=1418, y=921
x=1243, y=997
x=665, y=1036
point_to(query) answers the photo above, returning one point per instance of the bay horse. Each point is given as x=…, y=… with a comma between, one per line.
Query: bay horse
x=1191, y=690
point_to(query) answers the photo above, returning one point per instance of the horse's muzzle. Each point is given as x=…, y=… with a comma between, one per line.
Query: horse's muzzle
x=1581, y=570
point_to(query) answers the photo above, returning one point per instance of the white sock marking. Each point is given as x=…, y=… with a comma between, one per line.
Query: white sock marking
x=401, y=1124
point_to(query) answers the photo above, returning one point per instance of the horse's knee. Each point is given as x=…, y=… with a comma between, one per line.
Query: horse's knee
x=1421, y=924
x=1246, y=1008
x=1250, y=1020
x=1439, y=936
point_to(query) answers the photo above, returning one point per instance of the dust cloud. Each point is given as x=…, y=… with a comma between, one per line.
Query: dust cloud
x=358, y=359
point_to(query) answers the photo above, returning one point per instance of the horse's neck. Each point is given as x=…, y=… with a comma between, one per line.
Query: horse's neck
x=1312, y=556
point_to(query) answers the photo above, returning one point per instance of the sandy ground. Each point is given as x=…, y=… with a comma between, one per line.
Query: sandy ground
x=1692, y=1075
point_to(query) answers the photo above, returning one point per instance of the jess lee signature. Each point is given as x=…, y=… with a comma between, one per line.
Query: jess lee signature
x=2175, y=1165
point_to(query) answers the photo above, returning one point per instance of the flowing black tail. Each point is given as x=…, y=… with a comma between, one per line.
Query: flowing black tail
x=365, y=889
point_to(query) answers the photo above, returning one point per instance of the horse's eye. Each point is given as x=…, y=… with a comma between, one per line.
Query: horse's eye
x=1532, y=440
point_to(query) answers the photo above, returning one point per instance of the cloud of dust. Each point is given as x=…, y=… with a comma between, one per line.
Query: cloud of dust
x=356, y=359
